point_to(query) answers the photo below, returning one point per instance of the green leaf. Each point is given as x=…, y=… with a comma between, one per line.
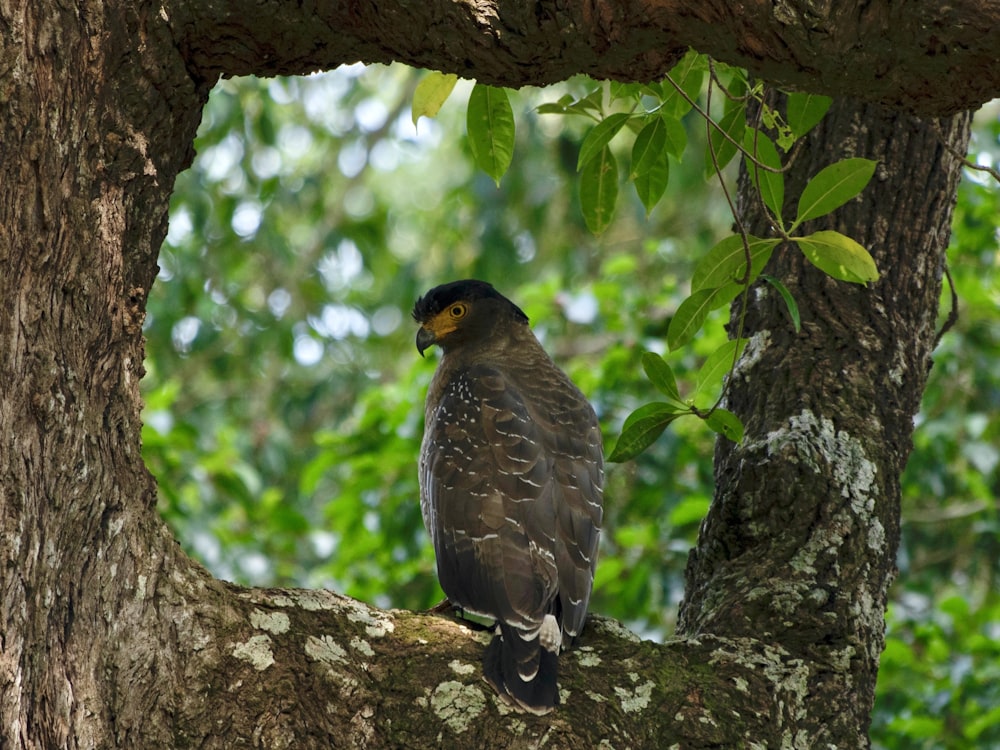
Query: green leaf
x=725, y=294
x=641, y=429
x=599, y=137
x=839, y=256
x=599, y=191
x=650, y=166
x=490, y=122
x=771, y=185
x=733, y=123
x=320, y=466
x=648, y=146
x=652, y=184
x=432, y=91
x=644, y=535
x=562, y=106
x=690, y=316
x=677, y=138
x=726, y=262
x=588, y=106
x=977, y=725
x=832, y=187
x=660, y=375
x=620, y=90
x=552, y=108
x=918, y=727
x=726, y=424
x=790, y=303
x=690, y=510
x=653, y=89
x=805, y=111
x=689, y=75
x=716, y=365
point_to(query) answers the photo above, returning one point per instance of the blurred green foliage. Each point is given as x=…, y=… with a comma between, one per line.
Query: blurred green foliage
x=284, y=394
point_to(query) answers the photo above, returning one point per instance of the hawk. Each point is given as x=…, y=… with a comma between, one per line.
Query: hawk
x=511, y=482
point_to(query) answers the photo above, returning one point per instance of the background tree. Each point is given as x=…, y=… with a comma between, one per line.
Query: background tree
x=112, y=636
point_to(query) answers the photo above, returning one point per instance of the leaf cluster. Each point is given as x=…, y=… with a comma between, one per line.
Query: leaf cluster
x=654, y=115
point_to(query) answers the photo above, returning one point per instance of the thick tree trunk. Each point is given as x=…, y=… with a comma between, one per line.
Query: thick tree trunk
x=799, y=547
x=111, y=637
x=98, y=119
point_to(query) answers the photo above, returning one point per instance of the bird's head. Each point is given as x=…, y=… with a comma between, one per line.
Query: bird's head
x=463, y=311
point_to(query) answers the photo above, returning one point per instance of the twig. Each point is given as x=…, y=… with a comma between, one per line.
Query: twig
x=952, y=318
x=723, y=133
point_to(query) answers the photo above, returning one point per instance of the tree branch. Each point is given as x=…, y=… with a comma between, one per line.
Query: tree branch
x=924, y=57
x=289, y=667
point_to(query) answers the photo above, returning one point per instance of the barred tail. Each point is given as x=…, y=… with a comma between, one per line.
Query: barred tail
x=522, y=669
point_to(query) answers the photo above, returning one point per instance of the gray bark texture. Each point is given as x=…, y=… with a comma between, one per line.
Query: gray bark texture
x=111, y=637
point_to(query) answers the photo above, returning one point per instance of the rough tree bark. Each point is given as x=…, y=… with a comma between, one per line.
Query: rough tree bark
x=829, y=419
x=111, y=637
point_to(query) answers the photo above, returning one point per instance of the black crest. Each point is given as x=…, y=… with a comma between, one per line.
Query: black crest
x=464, y=290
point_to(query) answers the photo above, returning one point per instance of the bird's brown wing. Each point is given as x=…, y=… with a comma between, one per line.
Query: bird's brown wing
x=489, y=499
x=578, y=468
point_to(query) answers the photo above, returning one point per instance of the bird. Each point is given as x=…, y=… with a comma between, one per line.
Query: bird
x=511, y=485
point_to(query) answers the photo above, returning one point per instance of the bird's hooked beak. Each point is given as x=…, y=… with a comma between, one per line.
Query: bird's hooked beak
x=426, y=338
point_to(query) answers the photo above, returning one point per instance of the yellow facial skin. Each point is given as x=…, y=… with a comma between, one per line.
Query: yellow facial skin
x=441, y=325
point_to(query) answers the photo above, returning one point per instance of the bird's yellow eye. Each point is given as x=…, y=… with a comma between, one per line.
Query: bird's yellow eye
x=458, y=311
